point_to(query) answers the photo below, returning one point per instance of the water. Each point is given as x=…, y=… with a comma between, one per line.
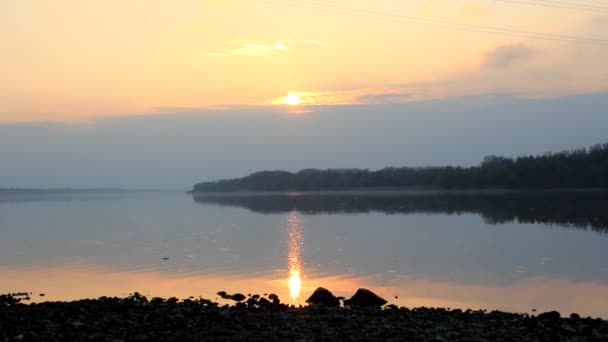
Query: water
x=515, y=252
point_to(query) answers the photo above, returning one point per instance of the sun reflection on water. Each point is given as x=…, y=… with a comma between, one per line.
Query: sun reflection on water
x=294, y=256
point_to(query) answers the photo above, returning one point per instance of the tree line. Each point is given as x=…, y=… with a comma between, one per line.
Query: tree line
x=579, y=168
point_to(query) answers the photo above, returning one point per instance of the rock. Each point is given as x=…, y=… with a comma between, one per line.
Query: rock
x=323, y=296
x=238, y=297
x=365, y=297
x=157, y=301
x=252, y=302
x=122, y=319
x=77, y=324
x=274, y=298
x=568, y=329
x=225, y=313
x=549, y=315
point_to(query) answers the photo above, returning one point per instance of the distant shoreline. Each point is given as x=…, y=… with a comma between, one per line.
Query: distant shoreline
x=576, y=169
x=19, y=191
x=389, y=192
x=63, y=190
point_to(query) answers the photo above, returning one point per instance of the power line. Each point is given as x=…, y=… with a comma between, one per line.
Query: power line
x=567, y=3
x=559, y=4
x=373, y=14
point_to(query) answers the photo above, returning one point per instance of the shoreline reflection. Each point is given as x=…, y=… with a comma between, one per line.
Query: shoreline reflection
x=568, y=209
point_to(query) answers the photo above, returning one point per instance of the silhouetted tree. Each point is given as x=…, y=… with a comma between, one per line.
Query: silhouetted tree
x=580, y=168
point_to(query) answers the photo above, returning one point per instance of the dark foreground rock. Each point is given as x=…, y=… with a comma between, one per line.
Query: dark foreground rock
x=365, y=297
x=237, y=297
x=138, y=319
x=323, y=296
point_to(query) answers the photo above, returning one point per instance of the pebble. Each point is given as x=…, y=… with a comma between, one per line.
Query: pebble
x=136, y=319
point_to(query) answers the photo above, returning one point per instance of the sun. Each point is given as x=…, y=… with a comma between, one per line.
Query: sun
x=292, y=99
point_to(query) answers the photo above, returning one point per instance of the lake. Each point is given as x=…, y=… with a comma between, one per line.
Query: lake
x=508, y=251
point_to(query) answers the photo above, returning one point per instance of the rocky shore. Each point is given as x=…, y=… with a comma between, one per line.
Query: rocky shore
x=364, y=317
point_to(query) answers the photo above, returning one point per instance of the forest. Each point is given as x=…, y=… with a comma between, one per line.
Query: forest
x=575, y=169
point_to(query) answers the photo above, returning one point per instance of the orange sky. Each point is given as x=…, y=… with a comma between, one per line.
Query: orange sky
x=76, y=60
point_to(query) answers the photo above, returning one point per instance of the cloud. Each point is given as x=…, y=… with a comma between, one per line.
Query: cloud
x=506, y=55
x=599, y=21
x=295, y=41
x=255, y=48
x=396, y=97
x=216, y=54
x=349, y=96
x=519, y=69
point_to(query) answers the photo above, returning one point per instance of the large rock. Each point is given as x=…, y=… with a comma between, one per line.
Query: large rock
x=365, y=297
x=322, y=296
x=237, y=297
x=549, y=315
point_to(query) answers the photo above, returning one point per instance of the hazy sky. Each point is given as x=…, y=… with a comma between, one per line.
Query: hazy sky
x=159, y=93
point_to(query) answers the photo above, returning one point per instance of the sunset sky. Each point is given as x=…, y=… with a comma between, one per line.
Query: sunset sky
x=71, y=70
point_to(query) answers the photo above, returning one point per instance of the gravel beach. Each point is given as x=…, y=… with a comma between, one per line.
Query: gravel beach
x=259, y=318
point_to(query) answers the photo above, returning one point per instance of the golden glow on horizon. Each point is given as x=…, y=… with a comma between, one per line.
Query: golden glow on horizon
x=77, y=281
x=292, y=99
x=294, y=256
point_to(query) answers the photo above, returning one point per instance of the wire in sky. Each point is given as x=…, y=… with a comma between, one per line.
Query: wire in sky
x=567, y=3
x=373, y=14
x=559, y=4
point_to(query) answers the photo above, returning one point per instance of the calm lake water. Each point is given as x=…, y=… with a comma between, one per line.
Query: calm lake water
x=515, y=252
